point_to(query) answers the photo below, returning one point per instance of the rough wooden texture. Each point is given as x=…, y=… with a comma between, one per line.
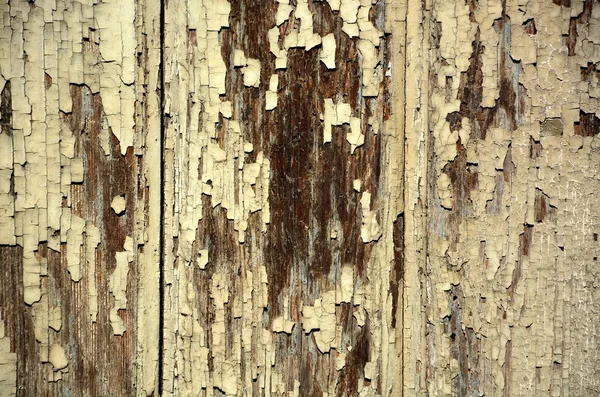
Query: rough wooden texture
x=353, y=197
x=512, y=182
x=281, y=200
x=77, y=273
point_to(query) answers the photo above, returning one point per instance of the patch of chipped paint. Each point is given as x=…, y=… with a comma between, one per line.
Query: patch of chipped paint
x=54, y=50
x=360, y=315
x=8, y=365
x=283, y=13
x=239, y=58
x=321, y=319
x=58, y=357
x=118, y=204
x=202, y=258
x=217, y=149
x=349, y=10
x=55, y=318
x=346, y=290
x=340, y=361
x=334, y=4
x=302, y=37
x=523, y=220
x=327, y=55
x=356, y=23
x=239, y=187
x=75, y=235
x=355, y=137
x=444, y=189
x=77, y=230
x=7, y=202
x=282, y=325
x=226, y=109
x=118, y=286
x=226, y=370
x=371, y=371
x=280, y=54
x=370, y=229
x=335, y=114
x=271, y=95
x=117, y=74
x=251, y=72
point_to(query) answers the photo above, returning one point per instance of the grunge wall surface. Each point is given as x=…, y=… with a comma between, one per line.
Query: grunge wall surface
x=299, y=197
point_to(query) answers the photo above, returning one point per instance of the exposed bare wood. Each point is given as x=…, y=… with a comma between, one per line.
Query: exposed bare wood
x=78, y=254
x=275, y=197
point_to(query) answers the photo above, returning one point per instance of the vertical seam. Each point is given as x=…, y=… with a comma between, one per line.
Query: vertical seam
x=161, y=245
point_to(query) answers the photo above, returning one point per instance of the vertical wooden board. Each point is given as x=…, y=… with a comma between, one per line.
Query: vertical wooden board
x=79, y=259
x=283, y=192
x=512, y=179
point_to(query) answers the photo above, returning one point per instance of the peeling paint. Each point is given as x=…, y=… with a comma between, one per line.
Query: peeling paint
x=8, y=367
x=441, y=241
x=72, y=112
x=118, y=285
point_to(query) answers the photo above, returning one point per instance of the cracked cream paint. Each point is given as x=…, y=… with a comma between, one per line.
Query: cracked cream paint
x=221, y=170
x=54, y=48
x=58, y=357
x=115, y=25
x=271, y=95
x=37, y=137
x=8, y=365
x=370, y=229
x=335, y=114
x=251, y=72
x=304, y=36
x=233, y=184
x=518, y=257
x=118, y=205
x=210, y=164
x=355, y=14
x=499, y=231
x=327, y=54
x=117, y=283
x=411, y=90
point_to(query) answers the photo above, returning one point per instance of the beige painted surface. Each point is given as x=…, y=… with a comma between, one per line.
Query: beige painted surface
x=354, y=197
x=79, y=126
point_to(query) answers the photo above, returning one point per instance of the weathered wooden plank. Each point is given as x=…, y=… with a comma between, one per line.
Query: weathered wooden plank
x=79, y=268
x=346, y=197
x=511, y=178
x=282, y=189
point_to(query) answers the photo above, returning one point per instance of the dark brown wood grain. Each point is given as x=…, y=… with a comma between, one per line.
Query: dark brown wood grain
x=310, y=190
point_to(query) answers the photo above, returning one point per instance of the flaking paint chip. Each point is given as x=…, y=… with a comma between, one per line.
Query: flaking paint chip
x=370, y=370
x=76, y=171
x=327, y=55
x=118, y=205
x=239, y=59
x=203, y=258
x=58, y=357
x=252, y=73
x=340, y=361
x=282, y=325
